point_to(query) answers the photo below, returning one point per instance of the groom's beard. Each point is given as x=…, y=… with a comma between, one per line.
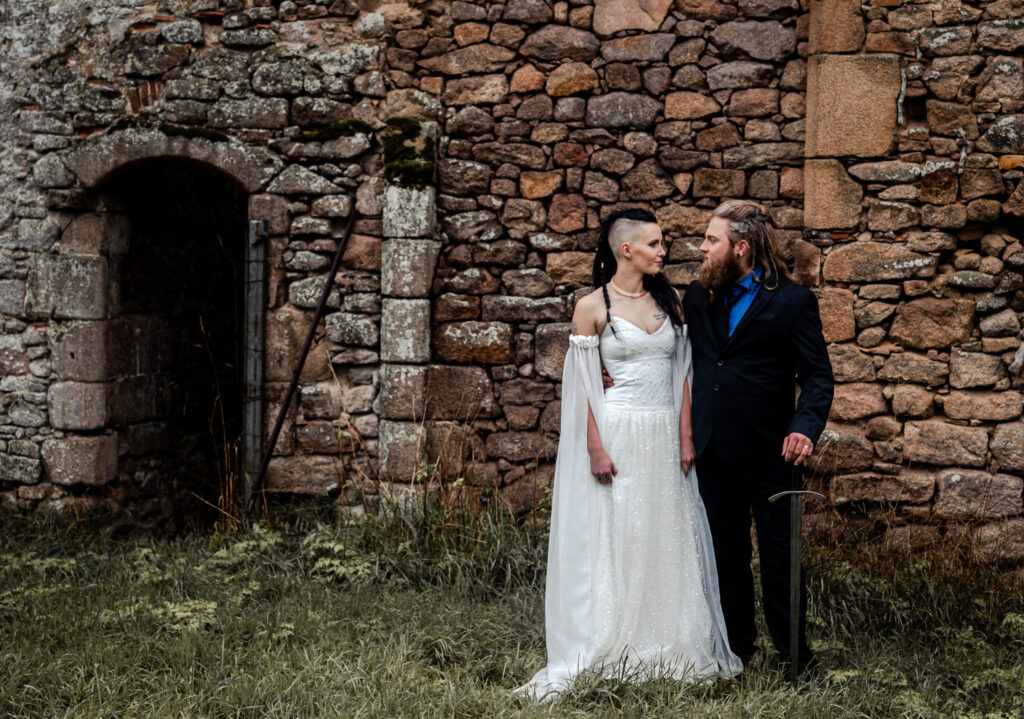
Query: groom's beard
x=716, y=276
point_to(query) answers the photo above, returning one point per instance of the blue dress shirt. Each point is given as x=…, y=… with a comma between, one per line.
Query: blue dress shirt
x=741, y=296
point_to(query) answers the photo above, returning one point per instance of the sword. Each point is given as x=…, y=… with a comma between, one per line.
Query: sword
x=795, y=540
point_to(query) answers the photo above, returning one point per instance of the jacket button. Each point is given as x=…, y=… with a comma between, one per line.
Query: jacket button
x=715, y=388
x=719, y=363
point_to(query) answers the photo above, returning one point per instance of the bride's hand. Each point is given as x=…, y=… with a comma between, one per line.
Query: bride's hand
x=602, y=467
x=687, y=452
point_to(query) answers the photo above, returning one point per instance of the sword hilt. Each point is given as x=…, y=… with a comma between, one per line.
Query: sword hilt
x=791, y=492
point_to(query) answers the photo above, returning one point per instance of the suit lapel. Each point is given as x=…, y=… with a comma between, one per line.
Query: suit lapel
x=705, y=318
x=762, y=299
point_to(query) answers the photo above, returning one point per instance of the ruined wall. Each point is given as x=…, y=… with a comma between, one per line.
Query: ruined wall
x=886, y=139
x=289, y=100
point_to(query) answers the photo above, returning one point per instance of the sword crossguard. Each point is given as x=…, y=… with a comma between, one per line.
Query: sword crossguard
x=791, y=492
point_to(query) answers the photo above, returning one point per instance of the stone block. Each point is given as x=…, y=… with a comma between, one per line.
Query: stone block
x=840, y=452
x=273, y=399
x=1008, y=446
x=911, y=486
x=405, y=331
x=910, y=367
x=986, y=406
x=1000, y=541
x=770, y=41
x=520, y=446
x=67, y=287
x=551, y=342
x=409, y=212
x=682, y=220
x=975, y=369
x=611, y=16
x=968, y=494
x=690, y=106
x=913, y=401
x=933, y=323
x=867, y=261
x=320, y=400
x=351, y=329
x=622, y=110
x=79, y=351
x=403, y=391
x=483, y=342
x=476, y=90
x=558, y=42
x=304, y=474
x=857, y=400
x=709, y=182
x=936, y=442
x=570, y=267
x=506, y=308
x=851, y=105
x=272, y=209
x=832, y=199
x=77, y=405
x=849, y=364
x=297, y=180
x=835, y=26
x=402, y=450
x=739, y=74
x=407, y=267
x=18, y=469
x=648, y=181
x=835, y=307
x=459, y=393
x=569, y=79
x=12, y=297
x=253, y=112
x=81, y=460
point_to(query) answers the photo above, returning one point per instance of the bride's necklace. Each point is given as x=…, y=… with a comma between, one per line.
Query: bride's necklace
x=622, y=292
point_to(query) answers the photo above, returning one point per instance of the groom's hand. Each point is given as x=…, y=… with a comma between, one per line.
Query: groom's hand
x=607, y=379
x=796, y=448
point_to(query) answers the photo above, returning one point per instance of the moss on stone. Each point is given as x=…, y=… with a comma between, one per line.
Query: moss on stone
x=203, y=133
x=345, y=128
x=409, y=154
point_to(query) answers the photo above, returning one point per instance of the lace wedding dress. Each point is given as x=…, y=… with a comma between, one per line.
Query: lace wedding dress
x=631, y=582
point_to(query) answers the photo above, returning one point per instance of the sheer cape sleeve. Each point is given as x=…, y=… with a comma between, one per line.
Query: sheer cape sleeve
x=568, y=610
x=729, y=664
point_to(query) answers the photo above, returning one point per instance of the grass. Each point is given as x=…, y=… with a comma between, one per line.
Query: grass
x=441, y=615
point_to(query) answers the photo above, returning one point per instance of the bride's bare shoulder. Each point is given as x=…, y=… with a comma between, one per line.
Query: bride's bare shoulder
x=587, y=313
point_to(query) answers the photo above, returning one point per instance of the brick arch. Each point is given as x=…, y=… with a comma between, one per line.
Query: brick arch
x=101, y=156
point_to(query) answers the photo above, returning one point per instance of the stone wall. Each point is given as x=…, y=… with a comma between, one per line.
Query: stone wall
x=885, y=138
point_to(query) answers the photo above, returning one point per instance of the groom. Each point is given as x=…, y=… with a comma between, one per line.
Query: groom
x=755, y=336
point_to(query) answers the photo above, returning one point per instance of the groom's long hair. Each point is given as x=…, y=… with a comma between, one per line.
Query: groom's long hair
x=750, y=221
x=605, y=266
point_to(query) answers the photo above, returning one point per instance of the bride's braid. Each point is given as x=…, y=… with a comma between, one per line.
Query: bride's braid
x=605, y=265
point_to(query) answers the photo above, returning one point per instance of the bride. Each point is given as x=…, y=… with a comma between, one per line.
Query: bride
x=631, y=580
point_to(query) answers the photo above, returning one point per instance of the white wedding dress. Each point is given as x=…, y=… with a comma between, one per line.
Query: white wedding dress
x=631, y=582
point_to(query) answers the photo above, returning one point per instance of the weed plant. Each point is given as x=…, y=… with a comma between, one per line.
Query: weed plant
x=433, y=612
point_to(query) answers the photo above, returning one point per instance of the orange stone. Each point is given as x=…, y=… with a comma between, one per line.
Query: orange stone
x=527, y=79
x=539, y=184
x=570, y=78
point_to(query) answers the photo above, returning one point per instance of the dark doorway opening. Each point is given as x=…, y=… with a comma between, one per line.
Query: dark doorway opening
x=176, y=338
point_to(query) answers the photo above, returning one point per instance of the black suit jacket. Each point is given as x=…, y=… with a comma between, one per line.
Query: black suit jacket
x=743, y=390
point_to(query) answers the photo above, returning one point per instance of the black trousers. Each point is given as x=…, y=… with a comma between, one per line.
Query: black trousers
x=731, y=493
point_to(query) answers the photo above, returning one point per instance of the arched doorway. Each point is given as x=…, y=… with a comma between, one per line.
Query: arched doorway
x=176, y=335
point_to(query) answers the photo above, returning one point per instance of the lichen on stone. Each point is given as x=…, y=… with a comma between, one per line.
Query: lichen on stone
x=203, y=133
x=409, y=153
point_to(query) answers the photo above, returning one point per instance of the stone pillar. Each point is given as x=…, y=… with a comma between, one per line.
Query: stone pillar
x=852, y=111
x=408, y=257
